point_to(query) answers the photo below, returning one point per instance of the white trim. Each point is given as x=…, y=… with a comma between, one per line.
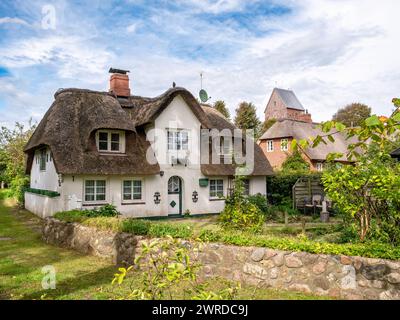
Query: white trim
x=94, y=202
x=216, y=189
x=284, y=144
x=268, y=146
x=133, y=201
x=109, y=133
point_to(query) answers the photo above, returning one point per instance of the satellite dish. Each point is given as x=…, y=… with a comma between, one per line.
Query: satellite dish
x=203, y=95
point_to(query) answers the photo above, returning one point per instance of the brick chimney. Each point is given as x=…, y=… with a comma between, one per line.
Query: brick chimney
x=119, y=82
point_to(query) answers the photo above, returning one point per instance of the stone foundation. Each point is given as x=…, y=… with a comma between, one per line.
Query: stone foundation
x=336, y=276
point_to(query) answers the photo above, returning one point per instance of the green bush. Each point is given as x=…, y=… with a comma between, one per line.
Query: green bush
x=136, y=226
x=108, y=210
x=260, y=201
x=180, y=230
x=70, y=216
x=18, y=187
x=239, y=211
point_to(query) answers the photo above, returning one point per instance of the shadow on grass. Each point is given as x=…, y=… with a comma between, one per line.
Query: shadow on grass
x=70, y=288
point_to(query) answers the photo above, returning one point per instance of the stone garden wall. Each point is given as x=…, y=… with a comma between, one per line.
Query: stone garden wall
x=337, y=276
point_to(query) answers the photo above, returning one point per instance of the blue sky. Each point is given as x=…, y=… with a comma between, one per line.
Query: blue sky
x=330, y=52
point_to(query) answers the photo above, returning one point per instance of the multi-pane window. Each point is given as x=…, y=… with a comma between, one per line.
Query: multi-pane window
x=284, y=144
x=225, y=147
x=270, y=145
x=132, y=190
x=42, y=159
x=95, y=190
x=320, y=166
x=109, y=141
x=178, y=140
x=216, y=188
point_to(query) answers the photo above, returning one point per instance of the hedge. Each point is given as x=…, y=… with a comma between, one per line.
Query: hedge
x=47, y=193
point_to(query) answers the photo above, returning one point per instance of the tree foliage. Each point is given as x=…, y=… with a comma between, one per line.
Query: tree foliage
x=239, y=212
x=246, y=117
x=368, y=191
x=165, y=266
x=295, y=163
x=267, y=124
x=12, y=157
x=353, y=114
x=221, y=107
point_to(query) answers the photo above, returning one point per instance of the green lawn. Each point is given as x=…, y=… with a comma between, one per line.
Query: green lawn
x=23, y=254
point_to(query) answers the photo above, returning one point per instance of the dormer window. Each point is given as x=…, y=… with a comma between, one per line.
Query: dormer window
x=110, y=141
x=178, y=139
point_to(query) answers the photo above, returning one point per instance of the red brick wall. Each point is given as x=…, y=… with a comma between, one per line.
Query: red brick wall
x=276, y=109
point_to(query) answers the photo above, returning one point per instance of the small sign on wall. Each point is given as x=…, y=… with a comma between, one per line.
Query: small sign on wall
x=203, y=182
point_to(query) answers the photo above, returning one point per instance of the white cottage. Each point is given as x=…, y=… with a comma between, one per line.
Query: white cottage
x=143, y=155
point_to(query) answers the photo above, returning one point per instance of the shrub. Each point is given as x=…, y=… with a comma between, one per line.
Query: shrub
x=136, y=226
x=371, y=250
x=70, y=216
x=18, y=187
x=239, y=212
x=260, y=201
x=168, y=229
x=108, y=210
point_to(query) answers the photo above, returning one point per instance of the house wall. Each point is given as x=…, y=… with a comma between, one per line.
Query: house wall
x=47, y=179
x=277, y=157
x=176, y=116
x=275, y=109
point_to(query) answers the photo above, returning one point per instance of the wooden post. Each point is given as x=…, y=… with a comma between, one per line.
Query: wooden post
x=303, y=225
x=286, y=219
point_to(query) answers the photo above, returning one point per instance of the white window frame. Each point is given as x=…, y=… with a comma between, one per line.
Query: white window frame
x=245, y=189
x=270, y=148
x=132, y=200
x=95, y=201
x=285, y=144
x=319, y=166
x=215, y=195
x=175, y=141
x=42, y=159
x=225, y=147
x=109, y=135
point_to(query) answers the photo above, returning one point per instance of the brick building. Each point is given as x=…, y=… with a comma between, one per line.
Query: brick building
x=294, y=122
x=283, y=104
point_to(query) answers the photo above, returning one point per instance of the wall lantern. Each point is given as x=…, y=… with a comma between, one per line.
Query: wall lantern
x=195, y=196
x=161, y=173
x=157, y=197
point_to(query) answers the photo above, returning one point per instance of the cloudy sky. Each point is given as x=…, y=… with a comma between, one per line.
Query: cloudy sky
x=330, y=52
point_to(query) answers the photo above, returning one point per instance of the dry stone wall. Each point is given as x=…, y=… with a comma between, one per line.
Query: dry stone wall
x=336, y=276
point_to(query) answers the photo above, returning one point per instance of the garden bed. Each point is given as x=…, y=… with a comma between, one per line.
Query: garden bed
x=277, y=236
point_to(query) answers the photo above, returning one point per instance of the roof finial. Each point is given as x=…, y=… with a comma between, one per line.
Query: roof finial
x=173, y=84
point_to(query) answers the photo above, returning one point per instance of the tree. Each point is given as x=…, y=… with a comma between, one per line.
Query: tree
x=267, y=124
x=295, y=163
x=353, y=114
x=246, y=117
x=12, y=157
x=221, y=107
x=369, y=191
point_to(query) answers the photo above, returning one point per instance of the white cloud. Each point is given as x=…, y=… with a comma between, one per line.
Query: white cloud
x=9, y=20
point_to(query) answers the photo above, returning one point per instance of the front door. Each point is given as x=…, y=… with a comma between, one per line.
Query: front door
x=174, y=195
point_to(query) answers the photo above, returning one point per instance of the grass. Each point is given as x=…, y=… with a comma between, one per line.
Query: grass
x=24, y=254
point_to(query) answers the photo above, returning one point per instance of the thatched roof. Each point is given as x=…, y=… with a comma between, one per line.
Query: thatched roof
x=218, y=121
x=69, y=126
x=304, y=130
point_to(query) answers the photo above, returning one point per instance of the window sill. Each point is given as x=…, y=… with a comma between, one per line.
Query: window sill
x=132, y=203
x=109, y=153
x=94, y=204
x=216, y=199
